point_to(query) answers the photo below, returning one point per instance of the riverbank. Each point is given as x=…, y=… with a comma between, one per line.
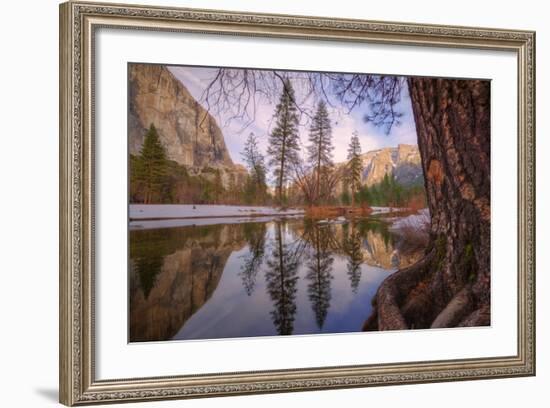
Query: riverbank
x=149, y=216
x=196, y=211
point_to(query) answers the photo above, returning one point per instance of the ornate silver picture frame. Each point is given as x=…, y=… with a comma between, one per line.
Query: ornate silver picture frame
x=79, y=23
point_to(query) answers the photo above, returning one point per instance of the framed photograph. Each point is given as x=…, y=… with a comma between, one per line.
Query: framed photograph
x=256, y=203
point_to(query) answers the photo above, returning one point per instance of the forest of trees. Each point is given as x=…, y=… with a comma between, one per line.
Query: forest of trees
x=310, y=181
x=156, y=179
x=388, y=193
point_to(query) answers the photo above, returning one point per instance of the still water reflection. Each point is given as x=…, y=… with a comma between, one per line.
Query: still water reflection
x=257, y=279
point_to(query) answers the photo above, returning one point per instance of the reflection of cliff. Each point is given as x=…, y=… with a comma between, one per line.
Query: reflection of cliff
x=366, y=241
x=379, y=250
x=173, y=273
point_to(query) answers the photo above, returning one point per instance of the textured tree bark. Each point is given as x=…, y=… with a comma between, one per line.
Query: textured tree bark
x=450, y=286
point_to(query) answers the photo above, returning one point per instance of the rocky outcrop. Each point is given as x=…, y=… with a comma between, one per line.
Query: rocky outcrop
x=189, y=134
x=402, y=161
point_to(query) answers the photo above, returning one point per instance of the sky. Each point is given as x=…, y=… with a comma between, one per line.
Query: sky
x=344, y=123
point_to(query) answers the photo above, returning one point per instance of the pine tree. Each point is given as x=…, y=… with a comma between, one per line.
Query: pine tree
x=283, y=140
x=355, y=166
x=151, y=165
x=320, y=148
x=256, y=166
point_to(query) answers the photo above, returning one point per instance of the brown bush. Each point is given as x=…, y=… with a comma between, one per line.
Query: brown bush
x=333, y=212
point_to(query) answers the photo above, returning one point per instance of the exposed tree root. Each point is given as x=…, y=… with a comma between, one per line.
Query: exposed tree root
x=458, y=308
x=387, y=314
x=479, y=317
x=405, y=300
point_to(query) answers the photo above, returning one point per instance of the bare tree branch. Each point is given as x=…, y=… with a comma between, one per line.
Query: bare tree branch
x=236, y=93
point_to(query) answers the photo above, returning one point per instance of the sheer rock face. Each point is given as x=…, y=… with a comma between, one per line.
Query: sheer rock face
x=402, y=161
x=187, y=131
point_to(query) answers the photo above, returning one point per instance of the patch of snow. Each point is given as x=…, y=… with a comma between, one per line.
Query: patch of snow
x=417, y=220
x=382, y=210
x=190, y=222
x=166, y=211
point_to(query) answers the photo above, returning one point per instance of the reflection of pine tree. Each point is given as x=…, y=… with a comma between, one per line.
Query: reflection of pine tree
x=319, y=271
x=255, y=235
x=352, y=248
x=282, y=277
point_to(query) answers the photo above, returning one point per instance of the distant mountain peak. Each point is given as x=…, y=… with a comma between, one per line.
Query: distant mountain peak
x=402, y=161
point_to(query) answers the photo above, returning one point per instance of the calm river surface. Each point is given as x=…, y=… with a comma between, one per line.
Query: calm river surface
x=280, y=277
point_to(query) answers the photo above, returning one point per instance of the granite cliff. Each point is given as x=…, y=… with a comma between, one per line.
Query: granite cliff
x=189, y=134
x=402, y=161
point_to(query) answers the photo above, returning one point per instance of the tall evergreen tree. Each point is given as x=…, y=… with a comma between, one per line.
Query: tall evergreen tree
x=355, y=166
x=255, y=162
x=151, y=165
x=320, y=148
x=283, y=140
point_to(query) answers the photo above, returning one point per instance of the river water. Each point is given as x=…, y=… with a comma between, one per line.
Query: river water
x=276, y=277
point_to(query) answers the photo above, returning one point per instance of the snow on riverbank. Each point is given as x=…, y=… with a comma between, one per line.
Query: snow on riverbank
x=196, y=222
x=418, y=221
x=149, y=216
x=383, y=210
x=172, y=211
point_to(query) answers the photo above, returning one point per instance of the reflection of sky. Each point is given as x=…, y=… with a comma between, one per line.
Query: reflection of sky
x=196, y=79
x=230, y=312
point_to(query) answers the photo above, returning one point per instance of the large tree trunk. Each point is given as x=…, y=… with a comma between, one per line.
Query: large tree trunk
x=450, y=286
